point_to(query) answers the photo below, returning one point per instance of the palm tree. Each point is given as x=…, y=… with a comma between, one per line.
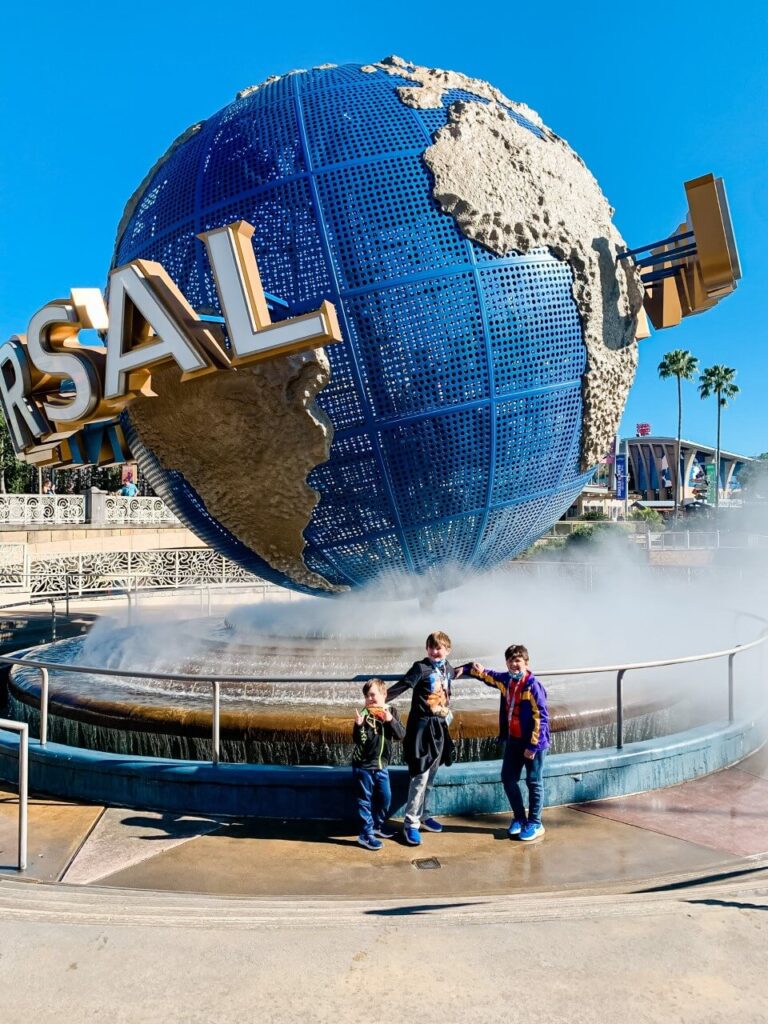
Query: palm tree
x=718, y=380
x=683, y=365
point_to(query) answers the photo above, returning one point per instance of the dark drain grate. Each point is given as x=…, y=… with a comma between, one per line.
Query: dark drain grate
x=427, y=864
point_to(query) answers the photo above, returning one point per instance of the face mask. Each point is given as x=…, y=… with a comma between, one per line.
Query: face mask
x=517, y=676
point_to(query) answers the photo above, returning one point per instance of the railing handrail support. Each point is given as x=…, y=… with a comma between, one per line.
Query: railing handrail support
x=23, y=730
x=731, y=715
x=216, y=723
x=620, y=709
x=44, y=687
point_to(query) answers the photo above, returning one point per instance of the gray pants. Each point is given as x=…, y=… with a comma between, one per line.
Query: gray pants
x=420, y=795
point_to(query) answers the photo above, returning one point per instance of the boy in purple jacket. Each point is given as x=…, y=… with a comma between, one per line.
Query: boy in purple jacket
x=524, y=724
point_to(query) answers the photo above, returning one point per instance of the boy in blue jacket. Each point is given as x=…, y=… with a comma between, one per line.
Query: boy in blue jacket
x=524, y=724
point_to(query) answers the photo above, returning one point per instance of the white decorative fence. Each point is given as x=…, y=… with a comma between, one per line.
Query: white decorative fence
x=120, y=511
x=168, y=568
x=13, y=565
x=72, y=509
x=41, y=509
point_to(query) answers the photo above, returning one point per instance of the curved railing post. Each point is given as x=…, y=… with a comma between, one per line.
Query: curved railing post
x=731, y=715
x=23, y=795
x=43, y=706
x=620, y=708
x=216, y=737
x=23, y=730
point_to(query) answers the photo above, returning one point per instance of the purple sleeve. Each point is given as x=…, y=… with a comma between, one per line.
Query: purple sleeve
x=496, y=680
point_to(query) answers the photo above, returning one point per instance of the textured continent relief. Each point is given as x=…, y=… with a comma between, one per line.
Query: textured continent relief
x=510, y=190
x=269, y=410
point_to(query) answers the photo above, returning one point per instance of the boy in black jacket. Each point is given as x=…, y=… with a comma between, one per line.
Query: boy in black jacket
x=428, y=743
x=374, y=728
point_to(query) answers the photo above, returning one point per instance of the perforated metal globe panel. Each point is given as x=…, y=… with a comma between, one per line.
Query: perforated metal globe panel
x=425, y=459
x=533, y=325
x=422, y=345
x=456, y=393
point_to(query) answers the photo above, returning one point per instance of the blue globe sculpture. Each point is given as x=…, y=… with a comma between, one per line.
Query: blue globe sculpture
x=455, y=397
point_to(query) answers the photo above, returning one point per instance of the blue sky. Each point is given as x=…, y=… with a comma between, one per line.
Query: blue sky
x=92, y=94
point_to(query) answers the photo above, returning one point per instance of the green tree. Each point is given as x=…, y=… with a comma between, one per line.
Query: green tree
x=680, y=364
x=754, y=478
x=650, y=516
x=16, y=477
x=718, y=380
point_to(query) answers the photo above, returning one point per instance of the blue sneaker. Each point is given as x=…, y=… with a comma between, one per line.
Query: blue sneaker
x=412, y=836
x=532, y=830
x=432, y=825
x=369, y=842
x=515, y=829
x=385, y=832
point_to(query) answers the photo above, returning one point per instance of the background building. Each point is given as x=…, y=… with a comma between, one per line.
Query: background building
x=652, y=477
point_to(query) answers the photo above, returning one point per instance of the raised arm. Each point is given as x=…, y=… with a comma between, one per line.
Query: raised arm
x=409, y=680
x=497, y=680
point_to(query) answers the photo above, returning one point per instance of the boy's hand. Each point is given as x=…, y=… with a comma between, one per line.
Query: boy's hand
x=477, y=667
x=387, y=715
x=459, y=672
x=358, y=718
x=529, y=754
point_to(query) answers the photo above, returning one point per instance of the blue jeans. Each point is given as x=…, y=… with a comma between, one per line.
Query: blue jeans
x=374, y=796
x=511, y=769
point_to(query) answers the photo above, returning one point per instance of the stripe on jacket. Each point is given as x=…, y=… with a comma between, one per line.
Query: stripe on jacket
x=490, y=680
x=536, y=712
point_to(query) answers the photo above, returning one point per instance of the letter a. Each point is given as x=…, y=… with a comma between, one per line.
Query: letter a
x=151, y=322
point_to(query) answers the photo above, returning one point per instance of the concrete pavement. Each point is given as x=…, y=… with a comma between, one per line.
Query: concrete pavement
x=649, y=908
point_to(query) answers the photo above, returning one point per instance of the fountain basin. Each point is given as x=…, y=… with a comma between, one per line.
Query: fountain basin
x=257, y=714
x=294, y=719
x=326, y=793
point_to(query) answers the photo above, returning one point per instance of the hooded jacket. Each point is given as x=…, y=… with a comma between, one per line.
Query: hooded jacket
x=373, y=739
x=523, y=711
x=426, y=731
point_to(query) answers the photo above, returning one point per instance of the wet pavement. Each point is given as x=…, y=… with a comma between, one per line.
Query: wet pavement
x=706, y=826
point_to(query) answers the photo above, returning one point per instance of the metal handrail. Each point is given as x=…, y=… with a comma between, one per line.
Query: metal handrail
x=23, y=730
x=620, y=671
x=45, y=667
x=710, y=656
